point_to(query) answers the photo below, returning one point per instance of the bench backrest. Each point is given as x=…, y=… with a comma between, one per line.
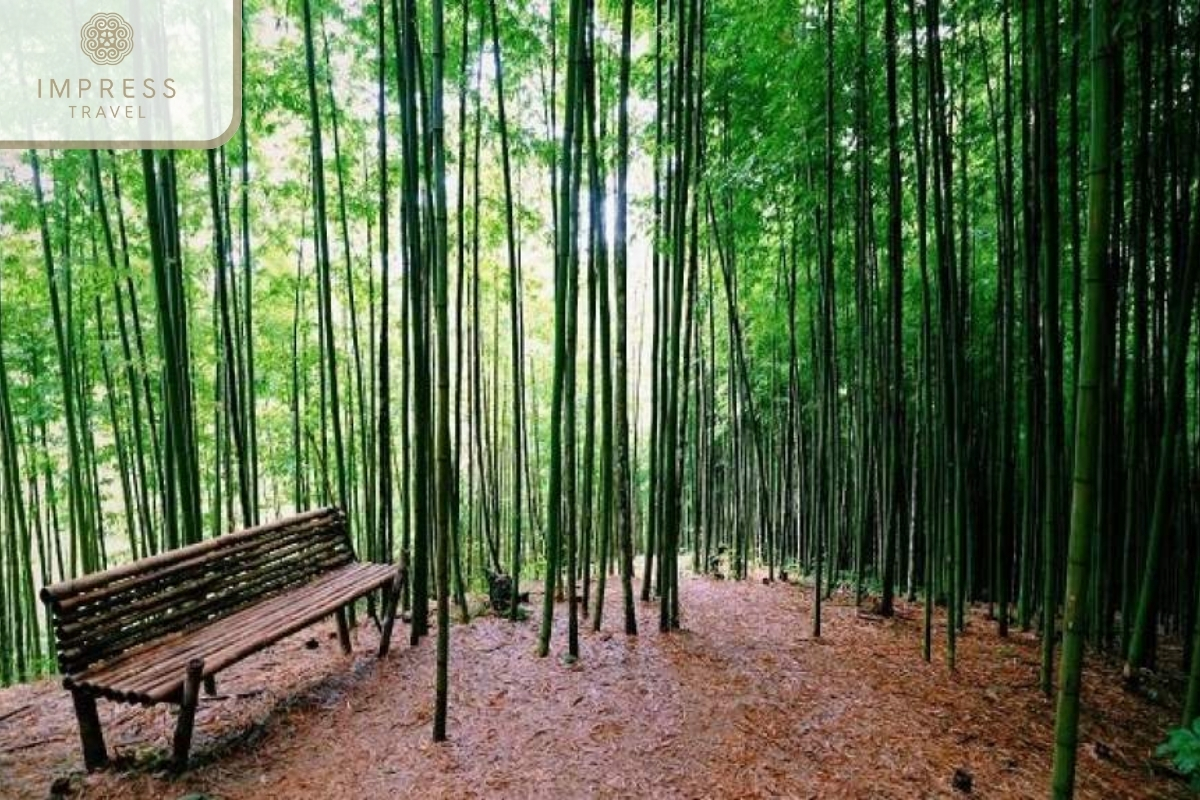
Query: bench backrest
x=101, y=615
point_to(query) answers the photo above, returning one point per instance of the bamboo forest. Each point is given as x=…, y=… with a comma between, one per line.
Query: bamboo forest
x=720, y=398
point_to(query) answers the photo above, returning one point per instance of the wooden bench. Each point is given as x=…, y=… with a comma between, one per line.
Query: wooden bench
x=155, y=630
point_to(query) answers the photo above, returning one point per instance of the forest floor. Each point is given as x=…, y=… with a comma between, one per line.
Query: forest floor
x=741, y=703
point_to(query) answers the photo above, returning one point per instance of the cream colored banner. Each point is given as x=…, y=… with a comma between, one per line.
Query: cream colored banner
x=119, y=73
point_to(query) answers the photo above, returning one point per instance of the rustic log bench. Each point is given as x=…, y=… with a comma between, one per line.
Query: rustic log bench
x=154, y=630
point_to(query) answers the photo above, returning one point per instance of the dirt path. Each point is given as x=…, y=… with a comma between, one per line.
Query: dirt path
x=740, y=704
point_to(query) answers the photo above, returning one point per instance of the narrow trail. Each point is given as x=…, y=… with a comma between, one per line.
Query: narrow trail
x=741, y=703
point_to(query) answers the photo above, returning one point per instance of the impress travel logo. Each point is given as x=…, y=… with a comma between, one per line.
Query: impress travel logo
x=106, y=38
x=125, y=74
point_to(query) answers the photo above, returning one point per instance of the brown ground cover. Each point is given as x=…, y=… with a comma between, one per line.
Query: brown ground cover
x=742, y=703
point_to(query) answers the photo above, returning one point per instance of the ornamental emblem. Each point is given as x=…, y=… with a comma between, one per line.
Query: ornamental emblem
x=106, y=38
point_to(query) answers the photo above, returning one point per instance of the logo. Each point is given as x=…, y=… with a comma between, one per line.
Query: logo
x=120, y=73
x=106, y=38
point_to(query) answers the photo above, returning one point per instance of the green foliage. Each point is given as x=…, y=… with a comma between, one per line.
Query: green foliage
x=1182, y=747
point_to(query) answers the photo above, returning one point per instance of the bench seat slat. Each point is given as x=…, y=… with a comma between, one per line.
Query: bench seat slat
x=199, y=607
x=155, y=672
x=135, y=676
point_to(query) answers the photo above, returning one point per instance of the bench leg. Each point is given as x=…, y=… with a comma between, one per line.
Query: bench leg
x=343, y=628
x=95, y=756
x=391, y=598
x=210, y=685
x=187, y=714
x=373, y=612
